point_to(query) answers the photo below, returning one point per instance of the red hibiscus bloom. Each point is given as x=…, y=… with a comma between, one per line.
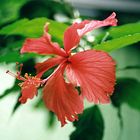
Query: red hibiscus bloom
x=92, y=70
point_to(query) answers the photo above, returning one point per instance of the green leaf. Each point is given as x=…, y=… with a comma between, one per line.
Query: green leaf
x=15, y=57
x=129, y=67
x=51, y=119
x=128, y=31
x=123, y=30
x=14, y=88
x=16, y=106
x=117, y=43
x=39, y=103
x=9, y=10
x=34, y=28
x=90, y=125
x=127, y=90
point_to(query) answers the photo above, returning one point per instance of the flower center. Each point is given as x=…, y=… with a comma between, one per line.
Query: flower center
x=68, y=59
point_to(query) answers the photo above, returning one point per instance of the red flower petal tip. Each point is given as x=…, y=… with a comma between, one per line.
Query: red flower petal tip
x=112, y=19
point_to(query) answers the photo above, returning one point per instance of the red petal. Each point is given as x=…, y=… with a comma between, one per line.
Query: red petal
x=46, y=65
x=77, y=30
x=94, y=71
x=42, y=45
x=28, y=92
x=71, y=37
x=29, y=88
x=93, y=24
x=62, y=98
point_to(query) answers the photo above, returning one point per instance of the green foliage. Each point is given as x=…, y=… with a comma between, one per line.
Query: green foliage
x=51, y=119
x=15, y=56
x=117, y=43
x=28, y=28
x=127, y=90
x=9, y=10
x=12, y=89
x=123, y=30
x=16, y=106
x=34, y=28
x=119, y=37
x=90, y=125
x=129, y=67
x=39, y=103
x=44, y=8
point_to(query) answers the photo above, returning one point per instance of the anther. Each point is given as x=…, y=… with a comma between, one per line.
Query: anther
x=7, y=71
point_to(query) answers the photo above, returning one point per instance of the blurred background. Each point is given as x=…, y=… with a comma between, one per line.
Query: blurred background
x=32, y=120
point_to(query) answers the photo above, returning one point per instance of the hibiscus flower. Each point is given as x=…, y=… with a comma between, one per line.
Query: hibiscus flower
x=91, y=70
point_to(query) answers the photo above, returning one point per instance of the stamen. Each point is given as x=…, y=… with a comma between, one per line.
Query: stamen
x=19, y=77
x=16, y=76
x=21, y=66
x=17, y=63
x=19, y=71
x=12, y=74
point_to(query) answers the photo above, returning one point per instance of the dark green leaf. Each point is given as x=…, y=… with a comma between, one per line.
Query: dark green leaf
x=9, y=10
x=16, y=106
x=44, y=8
x=90, y=125
x=16, y=57
x=10, y=90
x=127, y=90
x=51, y=119
x=130, y=67
x=117, y=43
x=39, y=103
x=119, y=114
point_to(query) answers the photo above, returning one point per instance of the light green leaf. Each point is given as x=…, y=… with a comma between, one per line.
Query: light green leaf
x=117, y=43
x=123, y=35
x=34, y=28
x=123, y=30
